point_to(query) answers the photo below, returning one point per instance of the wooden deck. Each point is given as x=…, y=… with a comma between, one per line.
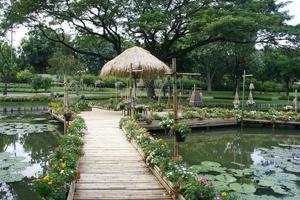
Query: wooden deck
x=111, y=168
x=214, y=122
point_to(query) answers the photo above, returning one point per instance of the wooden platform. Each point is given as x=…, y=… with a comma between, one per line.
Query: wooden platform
x=111, y=168
x=214, y=122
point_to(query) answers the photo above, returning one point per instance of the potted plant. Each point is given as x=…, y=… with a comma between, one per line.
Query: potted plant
x=181, y=131
x=167, y=124
x=68, y=116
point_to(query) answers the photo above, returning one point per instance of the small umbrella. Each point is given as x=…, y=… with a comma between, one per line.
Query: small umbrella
x=236, y=102
x=250, y=100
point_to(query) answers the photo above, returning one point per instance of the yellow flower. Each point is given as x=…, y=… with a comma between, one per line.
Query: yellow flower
x=50, y=182
x=224, y=194
x=62, y=165
x=46, y=178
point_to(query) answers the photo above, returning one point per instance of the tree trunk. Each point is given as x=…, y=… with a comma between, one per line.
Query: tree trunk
x=287, y=87
x=209, y=85
x=5, y=89
x=150, y=88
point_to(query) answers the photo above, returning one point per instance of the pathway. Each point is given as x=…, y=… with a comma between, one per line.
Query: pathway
x=111, y=168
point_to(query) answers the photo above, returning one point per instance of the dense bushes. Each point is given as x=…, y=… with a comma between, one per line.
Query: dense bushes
x=24, y=76
x=38, y=82
x=63, y=164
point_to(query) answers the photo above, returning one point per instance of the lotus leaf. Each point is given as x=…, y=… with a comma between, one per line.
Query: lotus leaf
x=295, y=169
x=266, y=183
x=287, y=176
x=242, y=188
x=220, y=186
x=279, y=190
x=210, y=164
x=226, y=178
x=10, y=167
x=9, y=178
x=24, y=128
x=208, y=167
x=241, y=173
x=255, y=197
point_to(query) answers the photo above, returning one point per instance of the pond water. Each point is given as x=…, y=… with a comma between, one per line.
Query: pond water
x=230, y=158
x=26, y=141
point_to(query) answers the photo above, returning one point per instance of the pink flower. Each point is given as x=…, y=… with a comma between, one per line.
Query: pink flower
x=217, y=198
x=202, y=180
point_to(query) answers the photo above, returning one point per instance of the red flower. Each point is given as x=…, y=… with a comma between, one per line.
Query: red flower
x=202, y=180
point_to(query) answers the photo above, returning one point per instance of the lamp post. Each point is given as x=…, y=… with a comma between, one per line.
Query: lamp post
x=243, y=97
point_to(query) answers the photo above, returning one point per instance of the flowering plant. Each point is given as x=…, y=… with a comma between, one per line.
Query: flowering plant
x=63, y=163
x=166, y=123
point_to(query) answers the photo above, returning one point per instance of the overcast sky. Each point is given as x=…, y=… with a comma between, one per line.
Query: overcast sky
x=293, y=8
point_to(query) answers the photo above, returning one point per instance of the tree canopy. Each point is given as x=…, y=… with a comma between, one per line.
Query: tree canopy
x=167, y=29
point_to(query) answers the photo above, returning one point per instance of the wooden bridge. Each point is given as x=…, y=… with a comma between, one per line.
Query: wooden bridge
x=111, y=168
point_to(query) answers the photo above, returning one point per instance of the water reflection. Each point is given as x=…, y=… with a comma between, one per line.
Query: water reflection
x=35, y=147
x=229, y=146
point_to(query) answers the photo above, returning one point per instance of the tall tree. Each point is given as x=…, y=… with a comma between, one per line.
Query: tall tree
x=7, y=65
x=35, y=51
x=285, y=65
x=166, y=28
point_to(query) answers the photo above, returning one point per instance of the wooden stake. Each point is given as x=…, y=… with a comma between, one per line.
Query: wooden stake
x=175, y=106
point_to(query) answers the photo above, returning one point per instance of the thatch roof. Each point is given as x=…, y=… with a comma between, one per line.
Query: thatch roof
x=136, y=58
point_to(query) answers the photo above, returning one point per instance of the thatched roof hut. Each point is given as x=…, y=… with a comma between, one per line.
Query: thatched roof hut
x=133, y=59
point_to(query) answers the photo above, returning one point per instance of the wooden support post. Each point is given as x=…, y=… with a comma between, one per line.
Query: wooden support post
x=175, y=106
x=66, y=105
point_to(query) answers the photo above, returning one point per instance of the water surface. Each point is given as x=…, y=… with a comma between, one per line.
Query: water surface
x=35, y=145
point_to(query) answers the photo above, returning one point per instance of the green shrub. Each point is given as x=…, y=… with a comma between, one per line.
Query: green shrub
x=24, y=76
x=39, y=82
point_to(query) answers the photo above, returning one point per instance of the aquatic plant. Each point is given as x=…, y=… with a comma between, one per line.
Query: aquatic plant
x=11, y=167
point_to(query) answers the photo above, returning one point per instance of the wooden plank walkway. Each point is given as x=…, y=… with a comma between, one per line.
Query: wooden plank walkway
x=111, y=168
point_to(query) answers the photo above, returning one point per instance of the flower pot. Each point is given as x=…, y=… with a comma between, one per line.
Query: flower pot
x=167, y=130
x=179, y=137
x=68, y=116
x=148, y=121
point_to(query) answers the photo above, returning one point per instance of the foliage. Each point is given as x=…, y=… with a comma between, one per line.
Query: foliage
x=63, y=164
x=166, y=122
x=24, y=76
x=193, y=23
x=7, y=64
x=189, y=115
x=158, y=107
x=38, y=82
x=194, y=190
x=182, y=129
x=35, y=51
x=23, y=99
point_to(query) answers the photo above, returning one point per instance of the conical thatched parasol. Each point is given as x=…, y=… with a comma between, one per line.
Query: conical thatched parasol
x=236, y=98
x=132, y=59
x=250, y=100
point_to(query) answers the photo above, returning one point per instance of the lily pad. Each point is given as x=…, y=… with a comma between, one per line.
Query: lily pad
x=10, y=178
x=226, y=178
x=220, y=186
x=279, y=190
x=242, y=188
x=210, y=164
x=10, y=167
